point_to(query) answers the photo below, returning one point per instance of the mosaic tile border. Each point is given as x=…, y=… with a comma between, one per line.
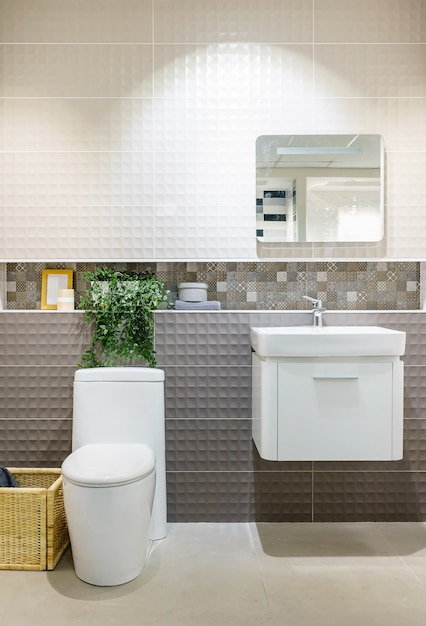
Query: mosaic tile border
x=352, y=285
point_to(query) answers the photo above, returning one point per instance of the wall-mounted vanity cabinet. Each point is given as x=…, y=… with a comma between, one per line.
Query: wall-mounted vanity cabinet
x=328, y=408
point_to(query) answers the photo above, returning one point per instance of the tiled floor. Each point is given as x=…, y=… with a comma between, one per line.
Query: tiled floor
x=243, y=574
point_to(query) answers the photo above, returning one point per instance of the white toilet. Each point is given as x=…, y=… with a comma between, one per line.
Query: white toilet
x=115, y=478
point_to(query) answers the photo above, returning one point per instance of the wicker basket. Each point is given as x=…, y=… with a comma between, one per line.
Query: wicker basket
x=33, y=528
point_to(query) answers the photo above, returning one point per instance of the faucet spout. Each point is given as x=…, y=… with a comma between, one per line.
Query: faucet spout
x=317, y=310
x=316, y=304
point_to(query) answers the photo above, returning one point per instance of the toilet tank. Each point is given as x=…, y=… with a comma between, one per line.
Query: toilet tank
x=119, y=405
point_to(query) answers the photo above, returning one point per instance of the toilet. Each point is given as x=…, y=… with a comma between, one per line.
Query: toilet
x=114, y=480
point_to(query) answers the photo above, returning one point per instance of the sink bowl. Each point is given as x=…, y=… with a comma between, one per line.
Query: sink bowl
x=327, y=341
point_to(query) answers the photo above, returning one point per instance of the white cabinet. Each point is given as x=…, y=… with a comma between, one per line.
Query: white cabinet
x=328, y=408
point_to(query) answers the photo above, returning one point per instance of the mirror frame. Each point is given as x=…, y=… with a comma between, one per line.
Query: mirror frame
x=320, y=188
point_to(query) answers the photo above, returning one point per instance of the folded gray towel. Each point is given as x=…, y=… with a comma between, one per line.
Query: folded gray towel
x=7, y=479
x=208, y=305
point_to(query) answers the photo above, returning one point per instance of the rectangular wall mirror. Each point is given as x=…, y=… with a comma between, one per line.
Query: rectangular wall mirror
x=319, y=188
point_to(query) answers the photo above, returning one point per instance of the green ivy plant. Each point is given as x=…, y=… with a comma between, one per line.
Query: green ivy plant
x=119, y=306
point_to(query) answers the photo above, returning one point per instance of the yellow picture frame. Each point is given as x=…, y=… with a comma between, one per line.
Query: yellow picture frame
x=51, y=281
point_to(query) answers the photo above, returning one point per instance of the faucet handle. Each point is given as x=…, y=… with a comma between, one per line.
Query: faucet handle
x=316, y=304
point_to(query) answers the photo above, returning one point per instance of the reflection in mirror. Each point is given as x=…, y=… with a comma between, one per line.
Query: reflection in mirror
x=319, y=188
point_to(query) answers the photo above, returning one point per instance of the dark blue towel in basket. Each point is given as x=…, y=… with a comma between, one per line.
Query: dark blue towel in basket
x=7, y=479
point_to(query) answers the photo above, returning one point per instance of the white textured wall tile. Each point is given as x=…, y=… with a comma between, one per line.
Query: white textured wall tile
x=370, y=21
x=204, y=232
x=194, y=122
x=405, y=179
x=406, y=229
x=191, y=21
x=370, y=70
x=77, y=178
x=73, y=232
x=76, y=21
x=76, y=70
x=72, y=124
x=96, y=112
x=233, y=70
x=219, y=176
x=401, y=121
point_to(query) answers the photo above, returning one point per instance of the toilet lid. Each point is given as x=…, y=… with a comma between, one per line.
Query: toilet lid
x=106, y=465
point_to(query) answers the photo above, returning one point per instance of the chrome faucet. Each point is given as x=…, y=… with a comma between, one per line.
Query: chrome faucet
x=317, y=310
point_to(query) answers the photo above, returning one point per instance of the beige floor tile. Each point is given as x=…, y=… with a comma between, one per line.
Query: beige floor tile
x=46, y=598
x=332, y=597
x=242, y=574
x=334, y=574
x=408, y=539
x=200, y=574
x=28, y=599
x=321, y=540
x=418, y=566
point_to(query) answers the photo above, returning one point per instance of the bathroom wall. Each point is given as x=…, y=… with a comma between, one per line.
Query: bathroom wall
x=213, y=470
x=128, y=126
x=127, y=131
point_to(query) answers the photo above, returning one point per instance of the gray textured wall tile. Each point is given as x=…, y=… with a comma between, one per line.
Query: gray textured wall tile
x=415, y=392
x=241, y=496
x=213, y=445
x=206, y=357
x=208, y=392
x=42, y=338
x=204, y=338
x=34, y=442
x=369, y=496
x=283, y=496
x=210, y=496
x=36, y=392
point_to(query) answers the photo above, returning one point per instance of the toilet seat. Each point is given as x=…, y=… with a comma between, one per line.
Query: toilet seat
x=108, y=464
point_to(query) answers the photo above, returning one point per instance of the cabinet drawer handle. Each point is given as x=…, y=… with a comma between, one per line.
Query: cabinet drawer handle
x=335, y=377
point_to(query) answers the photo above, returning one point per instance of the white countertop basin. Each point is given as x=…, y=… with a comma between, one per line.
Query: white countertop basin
x=327, y=341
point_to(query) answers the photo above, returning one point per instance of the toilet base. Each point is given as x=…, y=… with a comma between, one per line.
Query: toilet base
x=109, y=529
